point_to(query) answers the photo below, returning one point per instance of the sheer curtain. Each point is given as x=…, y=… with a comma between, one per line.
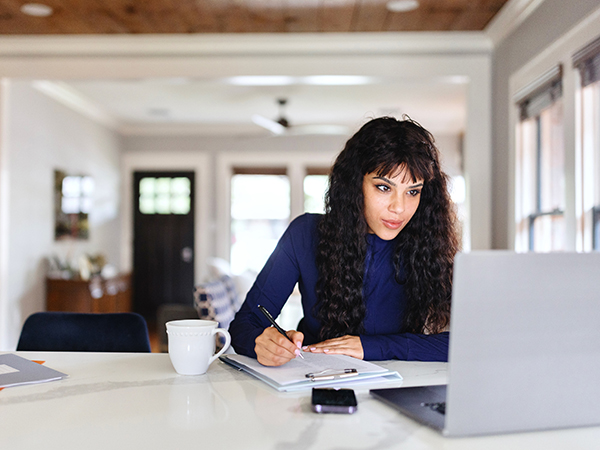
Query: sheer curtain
x=540, y=171
x=587, y=61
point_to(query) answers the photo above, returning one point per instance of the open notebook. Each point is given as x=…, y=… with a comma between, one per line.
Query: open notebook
x=316, y=369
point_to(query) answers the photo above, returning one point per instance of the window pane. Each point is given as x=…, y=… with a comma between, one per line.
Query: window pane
x=162, y=186
x=147, y=205
x=180, y=204
x=552, y=160
x=147, y=186
x=549, y=234
x=260, y=212
x=260, y=197
x=86, y=205
x=162, y=204
x=590, y=183
x=87, y=186
x=70, y=205
x=458, y=190
x=314, y=193
x=71, y=187
x=528, y=166
x=180, y=186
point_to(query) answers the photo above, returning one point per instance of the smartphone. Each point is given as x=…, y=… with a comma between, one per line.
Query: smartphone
x=329, y=400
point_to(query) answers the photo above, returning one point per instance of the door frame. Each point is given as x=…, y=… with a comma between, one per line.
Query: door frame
x=198, y=162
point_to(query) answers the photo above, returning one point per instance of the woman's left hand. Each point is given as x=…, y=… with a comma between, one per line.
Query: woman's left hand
x=345, y=345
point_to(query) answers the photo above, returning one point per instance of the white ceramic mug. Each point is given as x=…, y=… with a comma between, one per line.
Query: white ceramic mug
x=192, y=344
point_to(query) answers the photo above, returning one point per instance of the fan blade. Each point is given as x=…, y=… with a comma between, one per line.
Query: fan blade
x=271, y=125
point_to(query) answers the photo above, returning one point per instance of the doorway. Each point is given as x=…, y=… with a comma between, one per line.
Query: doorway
x=163, y=241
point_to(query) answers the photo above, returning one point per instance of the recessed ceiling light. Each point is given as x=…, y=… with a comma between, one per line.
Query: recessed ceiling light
x=402, y=5
x=261, y=80
x=159, y=112
x=338, y=80
x=316, y=80
x=36, y=9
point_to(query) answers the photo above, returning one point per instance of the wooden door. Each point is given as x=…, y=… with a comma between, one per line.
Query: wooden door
x=163, y=256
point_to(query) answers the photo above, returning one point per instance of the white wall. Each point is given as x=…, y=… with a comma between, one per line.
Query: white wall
x=546, y=25
x=41, y=136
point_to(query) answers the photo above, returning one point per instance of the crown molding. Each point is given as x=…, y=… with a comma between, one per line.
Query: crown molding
x=247, y=44
x=71, y=98
x=189, y=129
x=512, y=14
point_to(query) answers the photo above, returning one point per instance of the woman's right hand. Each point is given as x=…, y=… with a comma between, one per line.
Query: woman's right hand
x=273, y=349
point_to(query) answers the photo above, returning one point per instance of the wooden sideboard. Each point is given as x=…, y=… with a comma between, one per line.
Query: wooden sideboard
x=93, y=296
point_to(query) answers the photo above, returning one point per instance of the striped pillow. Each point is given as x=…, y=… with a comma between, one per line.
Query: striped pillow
x=215, y=300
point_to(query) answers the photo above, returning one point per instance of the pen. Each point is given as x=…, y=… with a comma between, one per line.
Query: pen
x=333, y=376
x=277, y=327
x=320, y=376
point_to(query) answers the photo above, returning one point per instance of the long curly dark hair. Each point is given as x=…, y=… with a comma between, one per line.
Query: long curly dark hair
x=424, y=249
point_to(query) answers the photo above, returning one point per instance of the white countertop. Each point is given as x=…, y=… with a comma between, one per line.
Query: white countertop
x=137, y=401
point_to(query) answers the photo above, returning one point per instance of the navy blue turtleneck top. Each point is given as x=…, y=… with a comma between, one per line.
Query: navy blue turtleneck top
x=294, y=260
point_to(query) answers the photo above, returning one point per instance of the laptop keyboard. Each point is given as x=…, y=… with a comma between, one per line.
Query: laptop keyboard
x=438, y=407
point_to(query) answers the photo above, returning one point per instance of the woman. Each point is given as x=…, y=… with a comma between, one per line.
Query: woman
x=375, y=271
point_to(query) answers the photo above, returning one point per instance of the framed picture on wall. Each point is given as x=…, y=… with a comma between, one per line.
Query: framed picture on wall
x=72, y=204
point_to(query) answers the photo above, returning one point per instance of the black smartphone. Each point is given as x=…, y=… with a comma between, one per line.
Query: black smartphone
x=329, y=400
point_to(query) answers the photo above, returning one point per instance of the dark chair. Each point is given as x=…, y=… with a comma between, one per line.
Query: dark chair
x=83, y=332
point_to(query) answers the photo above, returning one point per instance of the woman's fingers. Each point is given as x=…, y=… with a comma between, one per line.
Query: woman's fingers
x=345, y=345
x=274, y=349
x=296, y=337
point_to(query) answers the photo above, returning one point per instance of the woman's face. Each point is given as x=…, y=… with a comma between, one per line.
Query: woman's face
x=390, y=202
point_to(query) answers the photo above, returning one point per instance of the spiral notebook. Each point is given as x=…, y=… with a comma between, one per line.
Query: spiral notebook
x=315, y=370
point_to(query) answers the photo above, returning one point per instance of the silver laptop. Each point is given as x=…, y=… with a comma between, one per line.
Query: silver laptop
x=524, y=347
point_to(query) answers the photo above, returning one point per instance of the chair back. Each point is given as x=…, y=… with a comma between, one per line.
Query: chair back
x=84, y=332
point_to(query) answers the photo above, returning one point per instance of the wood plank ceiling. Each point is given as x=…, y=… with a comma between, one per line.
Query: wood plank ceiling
x=243, y=16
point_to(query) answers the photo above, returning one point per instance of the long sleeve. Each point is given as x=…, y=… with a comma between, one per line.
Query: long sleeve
x=292, y=261
x=383, y=338
x=406, y=346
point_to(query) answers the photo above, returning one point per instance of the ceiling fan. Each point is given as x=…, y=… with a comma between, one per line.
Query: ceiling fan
x=282, y=126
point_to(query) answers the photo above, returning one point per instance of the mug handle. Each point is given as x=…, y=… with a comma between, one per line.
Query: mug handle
x=225, y=333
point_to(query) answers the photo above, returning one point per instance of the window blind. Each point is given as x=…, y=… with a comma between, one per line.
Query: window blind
x=587, y=60
x=540, y=94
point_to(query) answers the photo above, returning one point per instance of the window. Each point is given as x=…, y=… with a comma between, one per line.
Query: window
x=587, y=61
x=458, y=194
x=541, y=167
x=315, y=186
x=260, y=213
x=73, y=202
x=165, y=195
